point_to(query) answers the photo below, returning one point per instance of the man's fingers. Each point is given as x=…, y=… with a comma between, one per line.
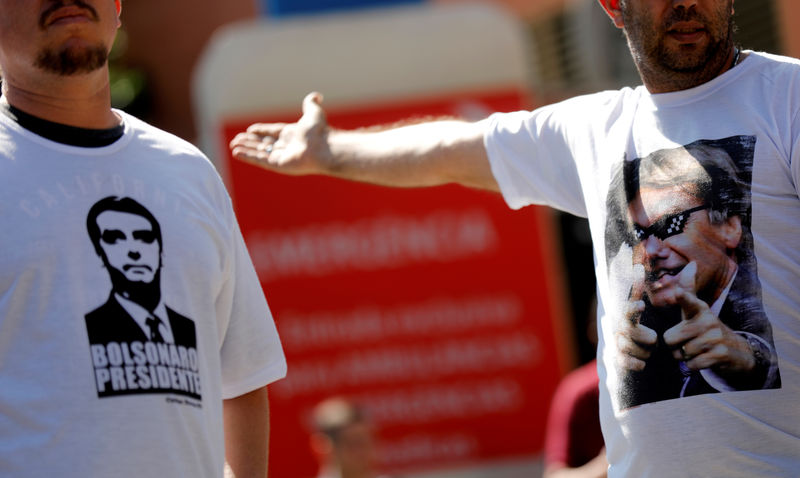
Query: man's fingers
x=686, y=278
x=696, y=356
x=252, y=155
x=628, y=362
x=637, y=341
x=686, y=292
x=239, y=139
x=312, y=109
x=637, y=287
x=634, y=312
x=686, y=351
x=250, y=141
x=635, y=347
x=690, y=304
x=266, y=129
x=644, y=335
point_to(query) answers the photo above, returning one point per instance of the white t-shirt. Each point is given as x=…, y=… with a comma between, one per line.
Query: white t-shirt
x=83, y=391
x=568, y=155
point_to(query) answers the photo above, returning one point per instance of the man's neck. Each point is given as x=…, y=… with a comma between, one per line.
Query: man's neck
x=147, y=295
x=81, y=100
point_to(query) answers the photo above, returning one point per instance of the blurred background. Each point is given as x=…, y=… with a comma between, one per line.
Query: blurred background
x=448, y=317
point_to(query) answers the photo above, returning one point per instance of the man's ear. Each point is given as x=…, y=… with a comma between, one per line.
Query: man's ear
x=731, y=232
x=118, y=5
x=613, y=10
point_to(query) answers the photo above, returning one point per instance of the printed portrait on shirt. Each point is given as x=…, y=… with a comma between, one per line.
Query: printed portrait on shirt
x=138, y=344
x=688, y=316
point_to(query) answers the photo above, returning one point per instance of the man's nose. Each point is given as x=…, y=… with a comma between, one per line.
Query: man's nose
x=134, y=255
x=687, y=4
x=653, y=246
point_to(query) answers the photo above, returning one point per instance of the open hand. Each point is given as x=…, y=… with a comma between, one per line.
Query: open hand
x=293, y=148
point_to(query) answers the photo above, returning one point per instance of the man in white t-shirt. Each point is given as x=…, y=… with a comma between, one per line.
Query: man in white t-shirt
x=135, y=339
x=698, y=88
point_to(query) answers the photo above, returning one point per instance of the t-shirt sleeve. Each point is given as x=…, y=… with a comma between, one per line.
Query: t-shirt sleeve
x=250, y=350
x=532, y=161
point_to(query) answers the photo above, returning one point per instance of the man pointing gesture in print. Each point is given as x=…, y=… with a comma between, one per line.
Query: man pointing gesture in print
x=694, y=326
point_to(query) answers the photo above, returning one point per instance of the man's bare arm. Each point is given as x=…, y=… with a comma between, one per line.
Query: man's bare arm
x=246, y=423
x=423, y=154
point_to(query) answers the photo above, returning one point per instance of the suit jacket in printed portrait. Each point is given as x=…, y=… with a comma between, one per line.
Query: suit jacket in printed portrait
x=111, y=323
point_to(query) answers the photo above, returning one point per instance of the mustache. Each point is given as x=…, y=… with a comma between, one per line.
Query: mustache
x=678, y=15
x=58, y=4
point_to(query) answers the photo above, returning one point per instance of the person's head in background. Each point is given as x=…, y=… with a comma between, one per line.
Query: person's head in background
x=342, y=440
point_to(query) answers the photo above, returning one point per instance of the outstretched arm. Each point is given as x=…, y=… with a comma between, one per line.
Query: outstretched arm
x=423, y=154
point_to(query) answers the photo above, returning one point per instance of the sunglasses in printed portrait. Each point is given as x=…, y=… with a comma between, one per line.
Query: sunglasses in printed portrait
x=667, y=226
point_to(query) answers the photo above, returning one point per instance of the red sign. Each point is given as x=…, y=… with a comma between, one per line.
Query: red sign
x=439, y=309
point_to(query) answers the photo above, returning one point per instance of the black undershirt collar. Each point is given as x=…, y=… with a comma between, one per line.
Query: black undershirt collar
x=61, y=133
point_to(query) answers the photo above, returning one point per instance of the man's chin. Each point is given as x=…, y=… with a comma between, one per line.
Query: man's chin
x=661, y=295
x=139, y=279
x=73, y=60
x=688, y=59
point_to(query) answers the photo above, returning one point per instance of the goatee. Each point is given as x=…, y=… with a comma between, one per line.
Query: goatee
x=72, y=61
